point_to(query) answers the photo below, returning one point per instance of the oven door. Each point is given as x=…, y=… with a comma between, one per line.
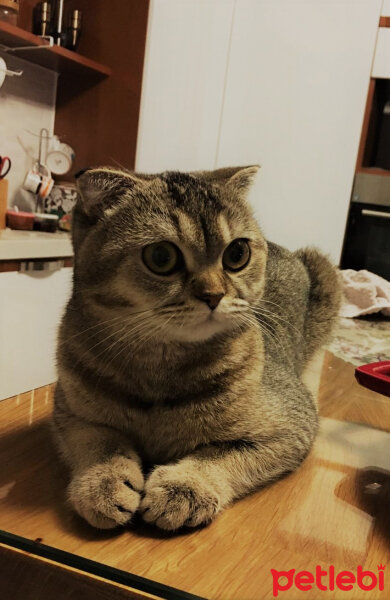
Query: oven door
x=367, y=239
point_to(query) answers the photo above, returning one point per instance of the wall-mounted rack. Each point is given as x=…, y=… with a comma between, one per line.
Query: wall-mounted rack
x=16, y=40
x=48, y=38
x=11, y=73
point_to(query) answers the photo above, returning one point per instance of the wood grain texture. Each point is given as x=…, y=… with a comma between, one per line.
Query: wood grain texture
x=333, y=510
x=101, y=122
x=44, y=579
x=365, y=145
x=55, y=58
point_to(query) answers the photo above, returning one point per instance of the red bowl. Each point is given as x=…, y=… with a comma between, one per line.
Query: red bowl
x=375, y=376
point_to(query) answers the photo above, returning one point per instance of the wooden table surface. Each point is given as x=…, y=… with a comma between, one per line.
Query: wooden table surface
x=333, y=511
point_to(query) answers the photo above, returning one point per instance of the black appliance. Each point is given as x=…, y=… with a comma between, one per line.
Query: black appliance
x=367, y=236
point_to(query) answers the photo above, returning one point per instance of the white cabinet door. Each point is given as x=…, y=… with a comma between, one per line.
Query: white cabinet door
x=183, y=82
x=31, y=307
x=294, y=101
x=381, y=64
x=385, y=12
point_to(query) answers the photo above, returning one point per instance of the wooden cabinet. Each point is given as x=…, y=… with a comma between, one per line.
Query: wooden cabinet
x=99, y=87
x=31, y=305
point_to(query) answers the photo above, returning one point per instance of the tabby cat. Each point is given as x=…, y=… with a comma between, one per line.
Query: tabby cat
x=182, y=348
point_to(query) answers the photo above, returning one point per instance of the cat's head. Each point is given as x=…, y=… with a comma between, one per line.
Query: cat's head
x=181, y=253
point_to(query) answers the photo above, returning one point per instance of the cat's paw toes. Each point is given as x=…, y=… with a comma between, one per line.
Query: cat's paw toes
x=173, y=500
x=108, y=494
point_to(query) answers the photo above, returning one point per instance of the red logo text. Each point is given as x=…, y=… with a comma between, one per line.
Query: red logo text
x=327, y=580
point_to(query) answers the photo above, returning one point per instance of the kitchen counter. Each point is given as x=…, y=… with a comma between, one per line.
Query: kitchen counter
x=16, y=245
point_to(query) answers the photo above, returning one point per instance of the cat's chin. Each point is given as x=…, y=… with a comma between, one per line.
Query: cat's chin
x=200, y=332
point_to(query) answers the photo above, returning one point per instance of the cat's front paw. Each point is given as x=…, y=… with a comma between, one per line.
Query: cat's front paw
x=174, y=498
x=107, y=494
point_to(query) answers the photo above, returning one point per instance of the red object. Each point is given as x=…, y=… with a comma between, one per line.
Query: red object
x=5, y=165
x=375, y=376
x=20, y=220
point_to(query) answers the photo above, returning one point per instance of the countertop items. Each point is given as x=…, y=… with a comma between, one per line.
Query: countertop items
x=43, y=222
x=16, y=245
x=20, y=220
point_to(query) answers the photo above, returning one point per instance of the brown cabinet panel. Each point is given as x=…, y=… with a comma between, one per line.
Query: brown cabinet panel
x=101, y=122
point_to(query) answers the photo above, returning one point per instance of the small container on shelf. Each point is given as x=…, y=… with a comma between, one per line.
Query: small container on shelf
x=44, y=222
x=42, y=19
x=9, y=11
x=20, y=220
x=73, y=30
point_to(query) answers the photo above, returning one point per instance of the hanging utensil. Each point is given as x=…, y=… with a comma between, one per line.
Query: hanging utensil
x=5, y=166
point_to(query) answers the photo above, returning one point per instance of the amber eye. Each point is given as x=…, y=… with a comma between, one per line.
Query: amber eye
x=163, y=258
x=236, y=255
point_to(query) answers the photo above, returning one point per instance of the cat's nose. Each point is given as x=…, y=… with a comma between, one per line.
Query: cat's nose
x=212, y=300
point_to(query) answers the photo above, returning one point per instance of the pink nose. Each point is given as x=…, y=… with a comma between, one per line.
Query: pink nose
x=212, y=300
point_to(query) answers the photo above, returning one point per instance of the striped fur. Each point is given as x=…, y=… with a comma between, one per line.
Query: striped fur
x=163, y=406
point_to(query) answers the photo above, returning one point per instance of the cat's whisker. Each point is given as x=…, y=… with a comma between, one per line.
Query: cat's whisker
x=159, y=330
x=129, y=345
x=107, y=324
x=126, y=333
x=272, y=329
x=271, y=335
x=124, y=328
x=84, y=331
x=258, y=310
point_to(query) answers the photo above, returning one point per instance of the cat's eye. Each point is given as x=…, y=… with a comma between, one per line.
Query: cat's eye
x=236, y=255
x=162, y=258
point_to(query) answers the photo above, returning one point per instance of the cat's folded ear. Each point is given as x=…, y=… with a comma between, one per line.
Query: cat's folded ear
x=242, y=179
x=238, y=179
x=101, y=188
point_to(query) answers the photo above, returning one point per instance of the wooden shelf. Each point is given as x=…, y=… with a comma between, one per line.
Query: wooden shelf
x=55, y=58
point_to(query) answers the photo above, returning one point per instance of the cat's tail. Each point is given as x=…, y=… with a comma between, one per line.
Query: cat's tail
x=324, y=299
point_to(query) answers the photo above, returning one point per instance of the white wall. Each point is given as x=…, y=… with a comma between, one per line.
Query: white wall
x=282, y=83
x=182, y=90
x=385, y=12
x=294, y=102
x=27, y=104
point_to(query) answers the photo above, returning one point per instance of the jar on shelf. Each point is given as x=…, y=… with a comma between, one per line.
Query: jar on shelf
x=9, y=11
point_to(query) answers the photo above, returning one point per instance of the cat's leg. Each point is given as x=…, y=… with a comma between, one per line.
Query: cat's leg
x=195, y=489
x=106, y=476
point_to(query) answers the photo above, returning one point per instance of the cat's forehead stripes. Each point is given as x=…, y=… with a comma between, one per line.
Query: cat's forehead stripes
x=189, y=193
x=188, y=230
x=199, y=213
x=224, y=228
